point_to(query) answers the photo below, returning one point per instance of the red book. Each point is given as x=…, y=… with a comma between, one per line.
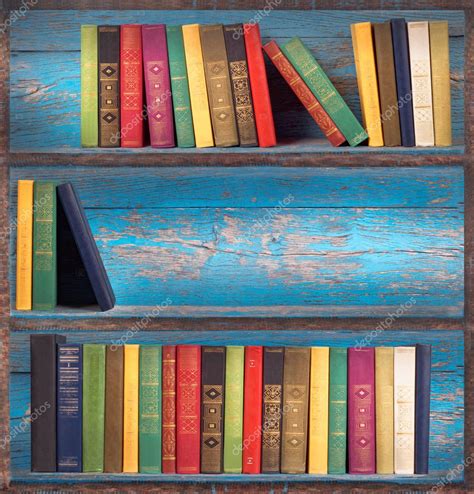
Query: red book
x=361, y=410
x=253, y=388
x=131, y=86
x=304, y=94
x=168, y=441
x=188, y=408
x=259, y=86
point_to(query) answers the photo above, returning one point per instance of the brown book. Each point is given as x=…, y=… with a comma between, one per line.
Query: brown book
x=295, y=409
x=387, y=84
x=219, y=90
x=113, y=409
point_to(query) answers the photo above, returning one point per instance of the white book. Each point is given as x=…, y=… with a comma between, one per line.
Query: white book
x=420, y=68
x=404, y=360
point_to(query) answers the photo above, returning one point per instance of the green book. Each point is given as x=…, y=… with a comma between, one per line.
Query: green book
x=337, y=410
x=179, y=87
x=93, y=408
x=89, y=87
x=44, y=246
x=320, y=85
x=234, y=409
x=149, y=438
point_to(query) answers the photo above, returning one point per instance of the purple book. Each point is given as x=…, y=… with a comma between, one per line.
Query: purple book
x=157, y=86
x=361, y=410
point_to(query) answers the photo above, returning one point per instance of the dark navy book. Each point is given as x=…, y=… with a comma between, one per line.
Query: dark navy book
x=422, y=408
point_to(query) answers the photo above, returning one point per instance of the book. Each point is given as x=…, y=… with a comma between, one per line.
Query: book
x=197, y=86
x=386, y=83
x=168, y=431
x=337, y=446
x=295, y=410
x=404, y=409
x=420, y=69
x=304, y=94
x=212, y=413
x=320, y=85
x=318, y=411
x=89, y=87
x=401, y=58
x=252, y=432
x=361, y=410
x=24, y=245
x=183, y=118
x=272, y=413
x=113, y=437
x=131, y=359
x=43, y=401
x=86, y=245
x=440, y=82
x=384, y=409
x=188, y=412
x=422, y=408
x=241, y=93
x=131, y=86
x=93, y=407
x=158, y=86
x=367, y=81
x=233, y=409
x=69, y=408
x=149, y=438
x=216, y=69
x=44, y=246
x=262, y=105
x=109, y=90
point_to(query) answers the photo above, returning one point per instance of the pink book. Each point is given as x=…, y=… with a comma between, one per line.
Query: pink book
x=157, y=86
x=361, y=410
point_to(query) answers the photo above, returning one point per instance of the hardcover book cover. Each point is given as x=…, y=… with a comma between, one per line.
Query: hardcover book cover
x=168, y=431
x=422, y=408
x=89, y=87
x=130, y=407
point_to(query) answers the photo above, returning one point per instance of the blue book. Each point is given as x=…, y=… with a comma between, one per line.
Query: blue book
x=422, y=408
x=69, y=408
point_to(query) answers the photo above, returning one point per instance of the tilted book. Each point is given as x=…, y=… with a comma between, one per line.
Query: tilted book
x=89, y=87
x=168, y=430
x=422, y=408
x=130, y=407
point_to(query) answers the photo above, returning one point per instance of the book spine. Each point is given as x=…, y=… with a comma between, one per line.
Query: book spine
x=169, y=410
x=420, y=69
x=44, y=246
x=272, y=399
x=179, y=87
x=234, y=407
x=89, y=87
x=93, y=408
x=131, y=86
x=150, y=409
x=440, y=81
x=131, y=359
x=109, y=90
x=253, y=386
x=259, y=86
x=197, y=86
x=24, y=245
x=320, y=85
x=69, y=408
x=188, y=409
x=422, y=408
x=241, y=93
x=337, y=410
x=304, y=94
x=384, y=409
x=318, y=411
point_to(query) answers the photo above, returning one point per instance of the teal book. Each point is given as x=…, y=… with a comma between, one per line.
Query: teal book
x=180, y=88
x=320, y=85
x=149, y=436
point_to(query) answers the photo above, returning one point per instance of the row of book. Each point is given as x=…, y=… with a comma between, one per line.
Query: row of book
x=57, y=259
x=404, y=82
x=189, y=409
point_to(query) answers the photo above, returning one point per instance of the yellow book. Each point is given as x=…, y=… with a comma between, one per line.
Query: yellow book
x=318, y=411
x=24, y=245
x=130, y=408
x=197, y=86
x=384, y=409
x=440, y=82
x=367, y=81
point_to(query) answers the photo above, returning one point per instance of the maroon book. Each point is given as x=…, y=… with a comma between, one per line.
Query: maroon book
x=361, y=410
